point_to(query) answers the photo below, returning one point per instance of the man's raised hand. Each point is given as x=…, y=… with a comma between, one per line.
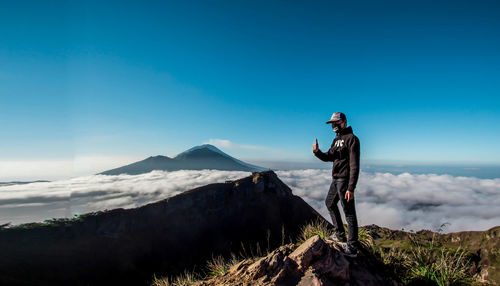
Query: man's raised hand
x=315, y=146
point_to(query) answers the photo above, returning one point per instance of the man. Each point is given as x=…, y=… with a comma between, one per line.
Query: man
x=344, y=153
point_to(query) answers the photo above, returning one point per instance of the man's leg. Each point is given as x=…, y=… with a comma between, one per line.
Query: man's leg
x=331, y=202
x=350, y=215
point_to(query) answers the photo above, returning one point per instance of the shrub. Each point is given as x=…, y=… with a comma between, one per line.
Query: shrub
x=446, y=268
x=365, y=238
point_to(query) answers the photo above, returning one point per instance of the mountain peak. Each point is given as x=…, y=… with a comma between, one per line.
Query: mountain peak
x=199, y=147
x=159, y=157
x=200, y=157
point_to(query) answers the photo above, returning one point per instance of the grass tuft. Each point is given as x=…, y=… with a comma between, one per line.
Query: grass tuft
x=184, y=279
x=218, y=265
x=316, y=227
x=365, y=238
x=444, y=268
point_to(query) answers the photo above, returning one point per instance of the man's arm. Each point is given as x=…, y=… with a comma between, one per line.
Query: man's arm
x=353, y=164
x=325, y=157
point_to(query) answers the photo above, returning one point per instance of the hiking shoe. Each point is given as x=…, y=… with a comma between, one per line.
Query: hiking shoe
x=349, y=250
x=335, y=237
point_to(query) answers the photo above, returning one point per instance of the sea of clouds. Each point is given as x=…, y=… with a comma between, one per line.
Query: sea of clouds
x=405, y=201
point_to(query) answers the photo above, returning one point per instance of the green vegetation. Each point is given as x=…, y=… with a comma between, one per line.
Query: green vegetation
x=365, y=239
x=427, y=264
x=53, y=222
x=46, y=223
x=218, y=265
x=321, y=228
x=317, y=227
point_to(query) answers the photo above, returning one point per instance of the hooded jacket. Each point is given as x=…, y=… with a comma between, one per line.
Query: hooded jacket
x=344, y=153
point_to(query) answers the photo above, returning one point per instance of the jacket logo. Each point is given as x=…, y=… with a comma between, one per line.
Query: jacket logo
x=339, y=143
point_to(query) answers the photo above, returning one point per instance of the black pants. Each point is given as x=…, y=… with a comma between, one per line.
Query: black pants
x=337, y=192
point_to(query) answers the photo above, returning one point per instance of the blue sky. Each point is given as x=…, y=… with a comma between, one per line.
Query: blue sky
x=418, y=80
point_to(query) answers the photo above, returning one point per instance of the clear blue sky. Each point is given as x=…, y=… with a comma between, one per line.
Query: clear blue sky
x=418, y=80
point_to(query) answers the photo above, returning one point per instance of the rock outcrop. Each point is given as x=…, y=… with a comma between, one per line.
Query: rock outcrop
x=315, y=262
x=126, y=246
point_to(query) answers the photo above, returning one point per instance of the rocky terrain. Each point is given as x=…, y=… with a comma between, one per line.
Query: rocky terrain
x=322, y=262
x=315, y=262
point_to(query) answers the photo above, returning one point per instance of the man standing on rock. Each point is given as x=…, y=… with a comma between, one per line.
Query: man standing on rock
x=344, y=153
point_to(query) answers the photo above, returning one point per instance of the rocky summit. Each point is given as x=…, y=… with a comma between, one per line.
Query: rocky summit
x=314, y=263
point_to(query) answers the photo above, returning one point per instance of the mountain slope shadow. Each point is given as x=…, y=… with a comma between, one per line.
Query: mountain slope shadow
x=126, y=246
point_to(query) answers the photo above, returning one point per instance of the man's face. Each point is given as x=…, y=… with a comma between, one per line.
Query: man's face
x=341, y=123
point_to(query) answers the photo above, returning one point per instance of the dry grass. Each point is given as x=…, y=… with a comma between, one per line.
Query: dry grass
x=184, y=279
x=320, y=227
x=218, y=265
x=317, y=227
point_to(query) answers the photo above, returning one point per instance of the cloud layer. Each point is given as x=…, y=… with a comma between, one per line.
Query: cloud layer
x=412, y=202
x=40, y=201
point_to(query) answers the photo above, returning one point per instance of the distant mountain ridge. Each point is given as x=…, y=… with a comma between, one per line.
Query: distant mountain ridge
x=197, y=158
x=3, y=184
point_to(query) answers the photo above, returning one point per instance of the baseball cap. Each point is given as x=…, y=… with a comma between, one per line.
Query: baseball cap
x=336, y=116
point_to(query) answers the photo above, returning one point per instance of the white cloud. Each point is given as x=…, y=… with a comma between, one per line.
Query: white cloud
x=406, y=201
x=222, y=143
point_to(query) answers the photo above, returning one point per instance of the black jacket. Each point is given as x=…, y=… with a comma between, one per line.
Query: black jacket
x=344, y=153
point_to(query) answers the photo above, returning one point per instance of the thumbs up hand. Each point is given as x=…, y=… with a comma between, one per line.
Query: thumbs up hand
x=315, y=146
